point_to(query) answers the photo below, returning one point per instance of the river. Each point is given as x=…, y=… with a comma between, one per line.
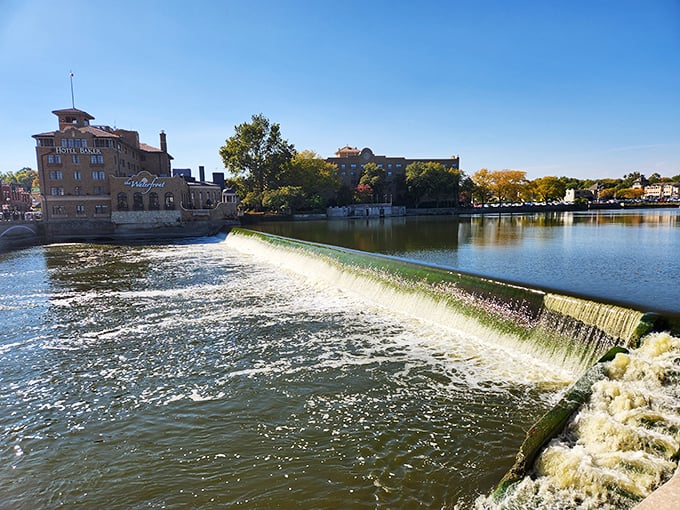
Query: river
x=199, y=375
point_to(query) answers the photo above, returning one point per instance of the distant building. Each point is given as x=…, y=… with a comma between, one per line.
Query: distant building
x=181, y=172
x=15, y=198
x=662, y=191
x=93, y=179
x=350, y=162
x=590, y=194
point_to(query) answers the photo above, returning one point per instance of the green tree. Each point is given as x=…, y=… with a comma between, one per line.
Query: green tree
x=430, y=181
x=376, y=178
x=286, y=199
x=258, y=153
x=317, y=178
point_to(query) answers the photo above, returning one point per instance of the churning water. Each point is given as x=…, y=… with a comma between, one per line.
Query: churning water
x=204, y=376
x=193, y=376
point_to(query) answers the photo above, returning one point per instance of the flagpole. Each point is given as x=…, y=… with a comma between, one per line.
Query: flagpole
x=73, y=102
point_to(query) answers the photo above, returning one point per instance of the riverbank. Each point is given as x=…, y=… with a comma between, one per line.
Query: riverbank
x=252, y=218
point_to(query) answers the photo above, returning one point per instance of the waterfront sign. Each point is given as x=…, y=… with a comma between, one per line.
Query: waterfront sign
x=144, y=184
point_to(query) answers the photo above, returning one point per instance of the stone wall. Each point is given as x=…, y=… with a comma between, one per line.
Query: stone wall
x=160, y=217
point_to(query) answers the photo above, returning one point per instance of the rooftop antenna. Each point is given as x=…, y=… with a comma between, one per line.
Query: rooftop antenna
x=73, y=102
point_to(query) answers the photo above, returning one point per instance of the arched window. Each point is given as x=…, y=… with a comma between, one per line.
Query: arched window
x=122, y=202
x=169, y=201
x=154, y=205
x=137, y=202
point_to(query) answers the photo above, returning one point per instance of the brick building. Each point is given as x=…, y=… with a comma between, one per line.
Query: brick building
x=96, y=179
x=350, y=162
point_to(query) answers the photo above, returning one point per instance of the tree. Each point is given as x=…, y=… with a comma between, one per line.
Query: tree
x=376, y=178
x=430, y=181
x=24, y=178
x=508, y=185
x=482, y=180
x=363, y=193
x=548, y=188
x=317, y=178
x=258, y=153
x=286, y=199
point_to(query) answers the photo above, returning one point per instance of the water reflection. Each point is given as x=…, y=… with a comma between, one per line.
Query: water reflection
x=621, y=255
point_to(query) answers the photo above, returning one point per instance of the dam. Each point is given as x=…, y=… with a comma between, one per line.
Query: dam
x=632, y=454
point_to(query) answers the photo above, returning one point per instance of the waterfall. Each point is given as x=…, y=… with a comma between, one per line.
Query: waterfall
x=562, y=330
x=622, y=443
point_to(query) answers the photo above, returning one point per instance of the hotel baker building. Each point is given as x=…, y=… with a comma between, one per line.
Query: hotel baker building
x=97, y=180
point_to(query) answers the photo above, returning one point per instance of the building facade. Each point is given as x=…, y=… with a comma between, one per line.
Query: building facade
x=350, y=162
x=15, y=201
x=662, y=191
x=97, y=178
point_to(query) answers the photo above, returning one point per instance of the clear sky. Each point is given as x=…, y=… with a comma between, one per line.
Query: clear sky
x=584, y=88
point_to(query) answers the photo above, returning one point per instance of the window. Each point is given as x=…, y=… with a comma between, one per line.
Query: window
x=137, y=202
x=80, y=210
x=98, y=175
x=122, y=202
x=56, y=175
x=98, y=190
x=54, y=159
x=398, y=165
x=169, y=201
x=154, y=205
x=77, y=191
x=389, y=165
x=73, y=142
x=101, y=209
x=103, y=142
x=56, y=191
x=76, y=159
x=58, y=210
x=97, y=159
x=343, y=166
x=45, y=142
x=76, y=175
x=353, y=165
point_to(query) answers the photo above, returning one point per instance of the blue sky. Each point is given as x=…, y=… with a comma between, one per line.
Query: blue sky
x=587, y=89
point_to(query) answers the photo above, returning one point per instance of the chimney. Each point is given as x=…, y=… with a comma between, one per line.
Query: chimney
x=201, y=173
x=164, y=142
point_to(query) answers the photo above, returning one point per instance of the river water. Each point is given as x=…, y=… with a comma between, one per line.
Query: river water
x=201, y=375
x=628, y=256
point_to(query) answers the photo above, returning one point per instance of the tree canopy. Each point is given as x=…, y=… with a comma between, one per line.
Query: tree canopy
x=27, y=178
x=430, y=181
x=257, y=153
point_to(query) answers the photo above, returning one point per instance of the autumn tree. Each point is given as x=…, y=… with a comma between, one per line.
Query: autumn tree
x=548, y=188
x=508, y=185
x=483, y=185
x=258, y=154
x=27, y=178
